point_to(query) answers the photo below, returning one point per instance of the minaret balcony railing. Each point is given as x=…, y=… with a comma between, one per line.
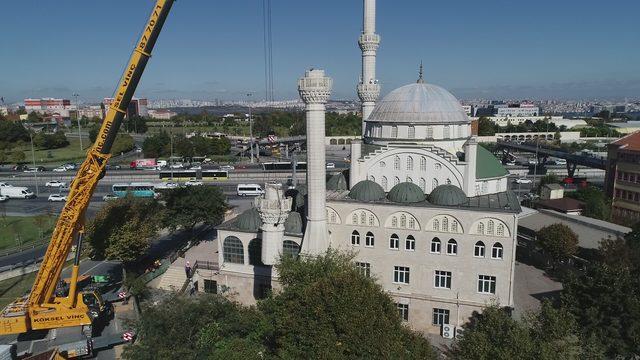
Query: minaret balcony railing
x=369, y=42
x=368, y=92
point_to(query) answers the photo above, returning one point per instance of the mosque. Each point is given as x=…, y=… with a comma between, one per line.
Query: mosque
x=425, y=209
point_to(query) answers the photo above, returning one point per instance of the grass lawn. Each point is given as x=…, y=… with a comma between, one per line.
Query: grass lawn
x=69, y=153
x=11, y=289
x=16, y=230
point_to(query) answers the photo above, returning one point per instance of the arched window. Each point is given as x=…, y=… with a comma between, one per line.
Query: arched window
x=290, y=248
x=434, y=183
x=396, y=163
x=363, y=218
x=423, y=163
x=396, y=181
x=403, y=221
x=409, y=180
x=409, y=163
x=412, y=223
x=448, y=181
x=496, y=251
x=394, y=221
x=412, y=132
x=232, y=250
x=454, y=226
x=478, y=249
x=371, y=220
x=436, y=245
x=384, y=183
x=334, y=218
x=369, y=239
x=354, y=219
x=445, y=224
x=355, y=238
x=372, y=178
x=394, y=131
x=481, y=228
x=423, y=185
x=490, y=227
x=255, y=252
x=394, y=242
x=382, y=164
x=436, y=225
x=452, y=247
x=500, y=230
x=410, y=243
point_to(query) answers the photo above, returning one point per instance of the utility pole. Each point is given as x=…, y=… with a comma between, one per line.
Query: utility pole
x=250, y=128
x=171, y=155
x=35, y=169
x=78, y=118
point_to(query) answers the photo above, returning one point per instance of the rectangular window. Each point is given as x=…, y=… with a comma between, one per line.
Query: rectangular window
x=486, y=284
x=365, y=268
x=429, y=132
x=394, y=131
x=403, y=310
x=440, y=316
x=401, y=274
x=412, y=132
x=210, y=286
x=442, y=279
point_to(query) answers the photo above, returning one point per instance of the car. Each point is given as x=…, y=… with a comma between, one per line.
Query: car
x=167, y=185
x=137, y=149
x=227, y=167
x=3, y=198
x=109, y=197
x=176, y=166
x=510, y=163
x=196, y=167
x=60, y=168
x=19, y=168
x=54, y=183
x=5, y=185
x=331, y=166
x=71, y=166
x=561, y=162
x=57, y=198
x=523, y=181
x=35, y=169
x=193, y=182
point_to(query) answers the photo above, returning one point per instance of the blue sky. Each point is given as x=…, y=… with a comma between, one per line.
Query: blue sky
x=213, y=49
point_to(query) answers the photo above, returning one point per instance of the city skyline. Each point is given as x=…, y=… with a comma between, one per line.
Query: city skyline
x=214, y=51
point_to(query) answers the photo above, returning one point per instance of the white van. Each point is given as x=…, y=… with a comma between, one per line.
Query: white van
x=17, y=192
x=249, y=190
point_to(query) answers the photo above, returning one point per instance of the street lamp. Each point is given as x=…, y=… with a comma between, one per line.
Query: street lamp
x=250, y=128
x=78, y=118
x=35, y=169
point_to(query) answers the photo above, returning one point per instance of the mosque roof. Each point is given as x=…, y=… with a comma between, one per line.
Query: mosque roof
x=249, y=220
x=487, y=165
x=419, y=103
x=406, y=192
x=293, y=224
x=367, y=190
x=447, y=195
x=337, y=182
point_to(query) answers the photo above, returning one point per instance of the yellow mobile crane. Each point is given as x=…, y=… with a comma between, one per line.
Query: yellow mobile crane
x=41, y=308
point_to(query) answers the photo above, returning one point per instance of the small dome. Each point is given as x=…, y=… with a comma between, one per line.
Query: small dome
x=406, y=192
x=367, y=190
x=249, y=220
x=419, y=103
x=337, y=182
x=293, y=224
x=447, y=195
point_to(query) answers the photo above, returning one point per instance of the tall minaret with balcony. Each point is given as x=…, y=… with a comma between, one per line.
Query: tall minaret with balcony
x=315, y=89
x=368, y=88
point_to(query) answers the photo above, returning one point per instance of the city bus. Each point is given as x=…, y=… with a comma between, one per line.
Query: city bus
x=283, y=165
x=144, y=190
x=211, y=175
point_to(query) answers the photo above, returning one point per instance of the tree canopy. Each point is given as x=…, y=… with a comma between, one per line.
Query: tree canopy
x=326, y=309
x=190, y=205
x=558, y=241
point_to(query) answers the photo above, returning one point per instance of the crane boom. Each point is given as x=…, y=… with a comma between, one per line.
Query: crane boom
x=42, y=310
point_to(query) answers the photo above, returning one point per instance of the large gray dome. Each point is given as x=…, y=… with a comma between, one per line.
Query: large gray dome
x=367, y=190
x=406, y=192
x=419, y=103
x=447, y=195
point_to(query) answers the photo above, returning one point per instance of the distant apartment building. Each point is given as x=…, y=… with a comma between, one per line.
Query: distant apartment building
x=162, y=114
x=48, y=106
x=94, y=111
x=4, y=110
x=517, y=111
x=623, y=178
x=468, y=109
x=137, y=107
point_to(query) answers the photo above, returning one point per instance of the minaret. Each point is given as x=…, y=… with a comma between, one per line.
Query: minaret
x=274, y=209
x=368, y=88
x=314, y=89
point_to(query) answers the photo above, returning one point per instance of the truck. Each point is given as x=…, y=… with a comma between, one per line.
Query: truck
x=17, y=192
x=139, y=164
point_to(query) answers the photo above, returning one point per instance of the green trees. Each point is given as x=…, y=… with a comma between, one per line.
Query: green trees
x=11, y=132
x=547, y=335
x=159, y=145
x=597, y=206
x=188, y=206
x=558, y=241
x=136, y=124
x=122, y=144
x=327, y=309
x=50, y=141
x=123, y=229
x=486, y=127
x=605, y=298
